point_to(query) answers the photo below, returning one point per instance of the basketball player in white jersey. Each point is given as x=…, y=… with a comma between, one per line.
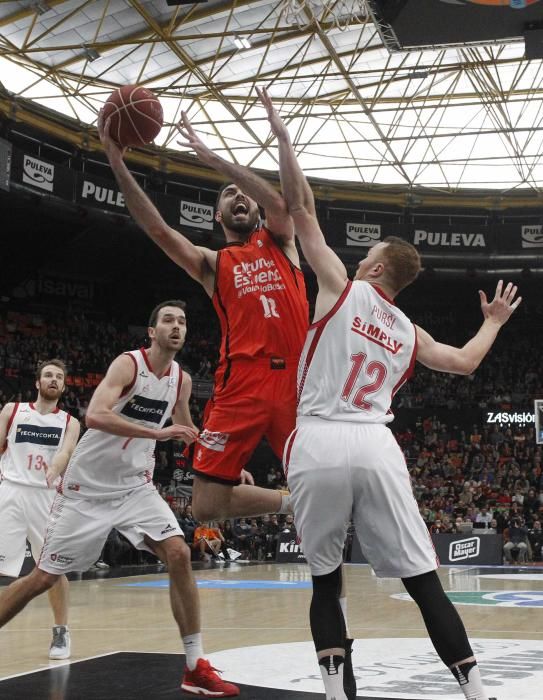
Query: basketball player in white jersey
x=342, y=460
x=37, y=440
x=108, y=484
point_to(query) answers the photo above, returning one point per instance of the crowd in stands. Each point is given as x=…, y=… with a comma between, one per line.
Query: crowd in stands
x=464, y=477
x=87, y=346
x=485, y=478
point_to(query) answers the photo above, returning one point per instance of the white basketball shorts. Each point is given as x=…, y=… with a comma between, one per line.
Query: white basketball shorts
x=78, y=527
x=338, y=471
x=24, y=511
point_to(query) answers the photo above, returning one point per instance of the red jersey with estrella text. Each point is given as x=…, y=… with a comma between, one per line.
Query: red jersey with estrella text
x=356, y=358
x=261, y=302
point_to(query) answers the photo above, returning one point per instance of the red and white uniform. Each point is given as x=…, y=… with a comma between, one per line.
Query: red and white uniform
x=342, y=460
x=25, y=501
x=356, y=358
x=261, y=302
x=105, y=465
x=108, y=482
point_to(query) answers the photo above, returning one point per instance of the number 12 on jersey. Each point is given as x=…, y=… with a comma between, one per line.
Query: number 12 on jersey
x=374, y=370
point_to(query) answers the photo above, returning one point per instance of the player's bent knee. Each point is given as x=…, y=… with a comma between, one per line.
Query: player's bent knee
x=42, y=580
x=202, y=512
x=178, y=553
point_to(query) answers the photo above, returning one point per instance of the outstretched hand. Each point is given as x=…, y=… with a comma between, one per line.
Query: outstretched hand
x=502, y=306
x=177, y=432
x=192, y=140
x=112, y=149
x=277, y=125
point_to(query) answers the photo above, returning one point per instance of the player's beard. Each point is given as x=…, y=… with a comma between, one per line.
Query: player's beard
x=242, y=228
x=50, y=393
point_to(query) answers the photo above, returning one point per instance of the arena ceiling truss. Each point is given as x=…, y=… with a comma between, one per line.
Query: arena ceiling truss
x=445, y=119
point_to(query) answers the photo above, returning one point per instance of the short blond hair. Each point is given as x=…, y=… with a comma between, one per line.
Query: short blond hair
x=403, y=262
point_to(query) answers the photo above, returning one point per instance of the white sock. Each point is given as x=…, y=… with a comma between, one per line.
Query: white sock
x=332, y=675
x=285, y=507
x=193, y=649
x=469, y=679
x=343, y=603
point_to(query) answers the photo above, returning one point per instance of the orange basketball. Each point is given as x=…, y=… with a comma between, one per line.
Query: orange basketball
x=136, y=115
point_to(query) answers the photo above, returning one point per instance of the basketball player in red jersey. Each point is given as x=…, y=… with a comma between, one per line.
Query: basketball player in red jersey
x=258, y=291
x=359, y=351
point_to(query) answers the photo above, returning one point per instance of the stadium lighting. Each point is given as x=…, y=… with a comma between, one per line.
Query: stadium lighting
x=90, y=53
x=241, y=42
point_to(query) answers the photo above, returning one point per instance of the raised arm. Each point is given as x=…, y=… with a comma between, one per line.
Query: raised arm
x=197, y=261
x=330, y=271
x=465, y=360
x=294, y=184
x=100, y=414
x=277, y=217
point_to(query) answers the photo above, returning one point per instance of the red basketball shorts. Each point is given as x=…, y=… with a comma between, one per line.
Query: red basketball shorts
x=256, y=402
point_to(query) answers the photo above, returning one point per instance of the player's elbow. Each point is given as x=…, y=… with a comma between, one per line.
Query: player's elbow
x=92, y=420
x=467, y=366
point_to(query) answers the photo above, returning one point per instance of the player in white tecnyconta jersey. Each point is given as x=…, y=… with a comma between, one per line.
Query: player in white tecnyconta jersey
x=108, y=484
x=36, y=437
x=342, y=459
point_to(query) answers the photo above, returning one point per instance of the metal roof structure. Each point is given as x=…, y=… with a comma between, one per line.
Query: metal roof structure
x=444, y=119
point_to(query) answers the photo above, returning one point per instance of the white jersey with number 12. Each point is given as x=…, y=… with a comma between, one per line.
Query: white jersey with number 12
x=356, y=358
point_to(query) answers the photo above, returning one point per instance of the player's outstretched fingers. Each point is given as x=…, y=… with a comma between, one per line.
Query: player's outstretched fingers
x=516, y=303
x=512, y=293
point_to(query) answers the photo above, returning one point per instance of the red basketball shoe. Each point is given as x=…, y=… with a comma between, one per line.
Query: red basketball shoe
x=204, y=680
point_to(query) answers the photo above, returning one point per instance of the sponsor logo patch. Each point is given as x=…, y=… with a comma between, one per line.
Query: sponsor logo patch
x=38, y=435
x=377, y=335
x=168, y=528
x=213, y=440
x=61, y=559
x=260, y=275
x=143, y=408
x=38, y=173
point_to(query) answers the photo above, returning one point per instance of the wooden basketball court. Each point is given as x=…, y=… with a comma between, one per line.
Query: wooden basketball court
x=255, y=625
